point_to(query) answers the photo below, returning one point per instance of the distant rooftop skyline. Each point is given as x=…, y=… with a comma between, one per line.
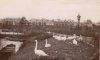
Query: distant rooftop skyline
x=51, y=9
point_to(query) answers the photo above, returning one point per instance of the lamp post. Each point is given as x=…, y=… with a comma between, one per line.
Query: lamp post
x=78, y=18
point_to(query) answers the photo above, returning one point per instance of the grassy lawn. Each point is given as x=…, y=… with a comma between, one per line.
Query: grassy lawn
x=59, y=50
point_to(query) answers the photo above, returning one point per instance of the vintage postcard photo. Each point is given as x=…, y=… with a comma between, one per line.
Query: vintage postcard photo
x=49, y=29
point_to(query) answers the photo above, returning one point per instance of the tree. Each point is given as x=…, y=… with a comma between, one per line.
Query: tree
x=23, y=24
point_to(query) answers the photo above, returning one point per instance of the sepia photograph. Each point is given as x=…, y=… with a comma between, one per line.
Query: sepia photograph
x=49, y=29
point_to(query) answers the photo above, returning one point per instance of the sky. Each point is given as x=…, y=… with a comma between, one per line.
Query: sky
x=51, y=9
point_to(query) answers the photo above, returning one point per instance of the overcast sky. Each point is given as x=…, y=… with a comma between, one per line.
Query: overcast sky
x=51, y=9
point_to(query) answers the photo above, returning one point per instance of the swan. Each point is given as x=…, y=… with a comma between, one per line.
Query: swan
x=72, y=37
x=47, y=45
x=80, y=38
x=54, y=36
x=39, y=52
x=48, y=32
x=74, y=42
x=61, y=38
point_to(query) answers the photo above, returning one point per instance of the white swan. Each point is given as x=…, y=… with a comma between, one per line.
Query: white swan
x=47, y=45
x=39, y=52
x=74, y=42
x=72, y=37
x=60, y=37
x=54, y=35
x=80, y=38
x=48, y=32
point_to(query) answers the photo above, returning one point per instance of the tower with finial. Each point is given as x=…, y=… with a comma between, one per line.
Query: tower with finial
x=78, y=18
